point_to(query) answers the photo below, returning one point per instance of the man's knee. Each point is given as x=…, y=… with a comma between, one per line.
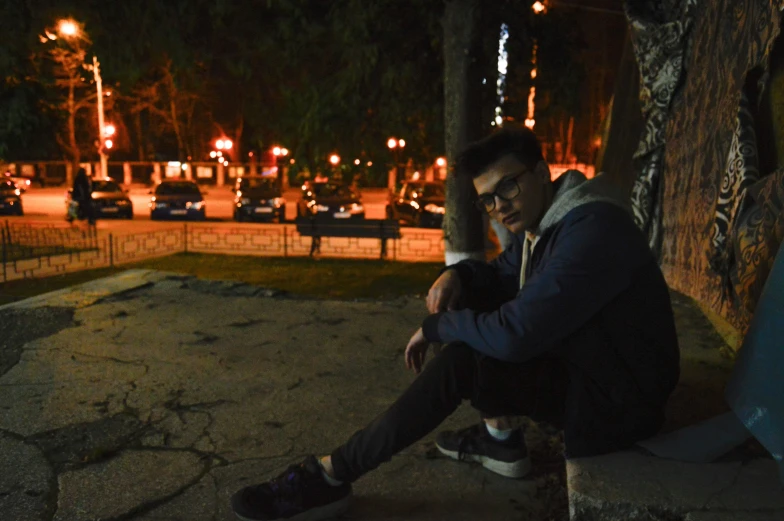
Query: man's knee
x=457, y=362
x=455, y=354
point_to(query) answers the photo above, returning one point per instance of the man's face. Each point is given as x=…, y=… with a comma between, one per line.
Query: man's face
x=524, y=210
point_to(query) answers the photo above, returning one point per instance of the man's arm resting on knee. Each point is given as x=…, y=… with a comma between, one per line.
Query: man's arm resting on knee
x=593, y=260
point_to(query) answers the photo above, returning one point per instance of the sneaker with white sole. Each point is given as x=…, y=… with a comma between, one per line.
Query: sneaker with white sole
x=508, y=458
x=298, y=494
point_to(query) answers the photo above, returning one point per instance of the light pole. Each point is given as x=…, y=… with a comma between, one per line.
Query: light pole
x=396, y=146
x=69, y=29
x=101, y=128
x=280, y=154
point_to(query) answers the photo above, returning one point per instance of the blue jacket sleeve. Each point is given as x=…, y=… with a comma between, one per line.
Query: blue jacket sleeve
x=594, y=254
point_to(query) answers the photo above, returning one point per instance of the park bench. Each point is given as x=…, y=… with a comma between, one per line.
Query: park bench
x=382, y=229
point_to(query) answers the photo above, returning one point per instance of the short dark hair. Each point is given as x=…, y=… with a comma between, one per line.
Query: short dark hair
x=520, y=142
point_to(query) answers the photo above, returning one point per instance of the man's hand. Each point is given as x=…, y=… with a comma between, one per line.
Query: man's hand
x=445, y=293
x=416, y=350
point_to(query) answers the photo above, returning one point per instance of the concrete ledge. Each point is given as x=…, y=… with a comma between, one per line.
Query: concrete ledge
x=633, y=486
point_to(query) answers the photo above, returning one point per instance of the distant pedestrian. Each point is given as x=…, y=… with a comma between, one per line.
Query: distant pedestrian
x=81, y=194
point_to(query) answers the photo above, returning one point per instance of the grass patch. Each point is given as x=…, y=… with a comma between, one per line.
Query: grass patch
x=323, y=278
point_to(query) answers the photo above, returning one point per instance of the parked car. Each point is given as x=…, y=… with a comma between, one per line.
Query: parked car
x=258, y=198
x=330, y=200
x=109, y=199
x=10, y=198
x=178, y=199
x=22, y=183
x=419, y=203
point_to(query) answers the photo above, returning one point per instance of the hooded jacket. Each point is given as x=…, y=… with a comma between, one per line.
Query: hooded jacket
x=585, y=289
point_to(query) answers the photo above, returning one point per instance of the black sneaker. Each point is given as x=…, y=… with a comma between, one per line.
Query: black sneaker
x=508, y=458
x=298, y=494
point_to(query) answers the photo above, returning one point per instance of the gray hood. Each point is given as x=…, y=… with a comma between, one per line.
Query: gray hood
x=572, y=189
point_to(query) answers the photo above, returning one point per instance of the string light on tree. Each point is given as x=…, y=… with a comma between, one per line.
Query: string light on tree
x=502, y=69
x=538, y=8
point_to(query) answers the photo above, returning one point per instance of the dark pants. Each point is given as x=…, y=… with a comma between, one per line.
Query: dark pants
x=536, y=389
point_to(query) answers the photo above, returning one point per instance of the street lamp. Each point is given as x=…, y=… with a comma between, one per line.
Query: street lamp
x=334, y=159
x=396, y=146
x=280, y=154
x=69, y=29
x=441, y=164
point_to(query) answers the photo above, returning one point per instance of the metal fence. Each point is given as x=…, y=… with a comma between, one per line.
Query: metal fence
x=37, y=250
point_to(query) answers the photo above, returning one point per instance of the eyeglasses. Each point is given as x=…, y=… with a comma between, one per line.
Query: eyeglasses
x=507, y=189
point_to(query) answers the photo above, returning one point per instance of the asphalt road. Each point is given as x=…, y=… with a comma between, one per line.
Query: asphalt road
x=49, y=204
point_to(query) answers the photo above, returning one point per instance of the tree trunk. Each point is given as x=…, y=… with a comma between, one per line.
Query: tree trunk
x=173, y=111
x=238, y=141
x=176, y=124
x=463, y=223
x=137, y=124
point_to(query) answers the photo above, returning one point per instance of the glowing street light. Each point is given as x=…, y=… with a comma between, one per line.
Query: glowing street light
x=213, y=154
x=67, y=28
x=276, y=151
x=441, y=161
x=397, y=145
x=109, y=130
x=223, y=144
x=538, y=7
x=108, y=143
x=356, y=162
x=334, y=159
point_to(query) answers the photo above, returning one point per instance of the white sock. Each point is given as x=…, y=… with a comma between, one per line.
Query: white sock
x=499, y=434
x=329, y=479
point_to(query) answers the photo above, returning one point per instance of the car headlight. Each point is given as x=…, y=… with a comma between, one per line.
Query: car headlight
x=196, y=205
x=245, y=200
x=356, y=208
x=278, y=202
x=434, y=208
x=322, y=208
x=161, y=205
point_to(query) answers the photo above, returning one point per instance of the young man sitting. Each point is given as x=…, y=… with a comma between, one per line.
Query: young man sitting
x=572, y=324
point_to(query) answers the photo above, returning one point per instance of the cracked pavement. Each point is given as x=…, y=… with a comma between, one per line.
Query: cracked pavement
x=152, y=396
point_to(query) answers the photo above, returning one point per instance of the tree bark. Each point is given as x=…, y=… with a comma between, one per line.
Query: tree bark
x=463, y=223
x=137, y=125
